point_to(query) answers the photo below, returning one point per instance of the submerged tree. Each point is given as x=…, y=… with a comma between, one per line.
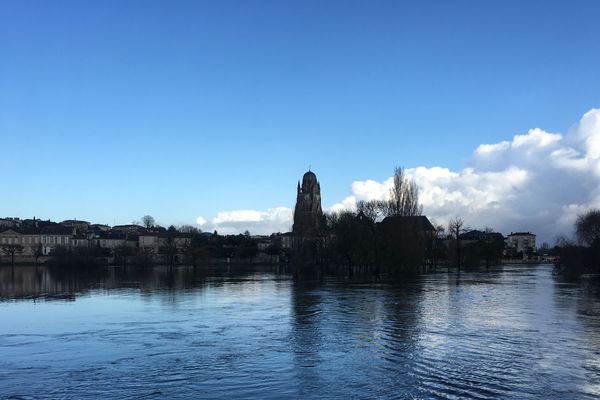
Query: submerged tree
x=10, y=250
x=38, y=252
x=122, y=253
x=492, y=246
x=456, y=227
x=169, y=247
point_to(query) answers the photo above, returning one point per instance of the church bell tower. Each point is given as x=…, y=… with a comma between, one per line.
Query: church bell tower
x=308, y=215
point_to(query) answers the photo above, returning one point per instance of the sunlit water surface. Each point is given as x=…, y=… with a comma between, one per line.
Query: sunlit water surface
x=513, y=332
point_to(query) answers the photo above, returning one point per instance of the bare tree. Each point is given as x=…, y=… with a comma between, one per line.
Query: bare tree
x=371, y=209
x=10, y=250
x=148, y=221
x=456, y=227
x=169, y=247
x=404, y=197
x=435, y=247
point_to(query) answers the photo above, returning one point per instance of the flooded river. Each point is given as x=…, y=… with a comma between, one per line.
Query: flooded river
x=512, y=332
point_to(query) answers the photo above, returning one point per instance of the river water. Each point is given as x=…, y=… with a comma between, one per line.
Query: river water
x=511, y=332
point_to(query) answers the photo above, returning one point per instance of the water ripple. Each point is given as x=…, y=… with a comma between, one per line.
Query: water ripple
x=513, y=332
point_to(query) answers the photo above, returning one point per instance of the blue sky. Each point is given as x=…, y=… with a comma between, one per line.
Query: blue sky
x=110, y=110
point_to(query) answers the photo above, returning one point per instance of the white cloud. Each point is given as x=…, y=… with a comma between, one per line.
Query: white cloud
x=200, y=221
x=538, y=181
x=536, y=138
x=277, y=219
x=237, y=216
x=492, y=148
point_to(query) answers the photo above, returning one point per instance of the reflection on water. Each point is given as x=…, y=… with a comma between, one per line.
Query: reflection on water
x=515, y=332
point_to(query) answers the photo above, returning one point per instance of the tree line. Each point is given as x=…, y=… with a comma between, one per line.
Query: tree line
x=582, y=255
x=391, y=236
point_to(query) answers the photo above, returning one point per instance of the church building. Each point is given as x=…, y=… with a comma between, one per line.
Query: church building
x=308, y=215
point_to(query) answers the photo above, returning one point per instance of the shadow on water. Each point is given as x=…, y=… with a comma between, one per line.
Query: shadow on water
x=305, y=333
x=341, y=326
x=52, y=283
x=578, y=299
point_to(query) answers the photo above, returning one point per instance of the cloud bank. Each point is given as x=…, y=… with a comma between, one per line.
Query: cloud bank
x=277, y=219
x=538, y=181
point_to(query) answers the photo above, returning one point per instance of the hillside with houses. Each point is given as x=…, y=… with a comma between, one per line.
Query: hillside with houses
x=35, y=240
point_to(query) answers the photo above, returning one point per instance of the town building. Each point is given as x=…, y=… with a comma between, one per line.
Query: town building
x=53, y=236
x=148, y=242
x=131, y=228
x=287, y=240
x=10, y=222
x=79, y=226
x=410, y=225
x=520, y=244
x=114, y=240
x=99, y=228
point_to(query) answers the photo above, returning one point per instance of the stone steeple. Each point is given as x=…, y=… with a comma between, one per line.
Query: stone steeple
x=308, y=215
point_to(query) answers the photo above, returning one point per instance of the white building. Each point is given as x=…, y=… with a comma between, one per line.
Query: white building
x=148, y=242
x=52, y=237
x=521, y=242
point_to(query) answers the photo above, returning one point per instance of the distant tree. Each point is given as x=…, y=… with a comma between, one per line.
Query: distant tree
x=273, y=249
x=148, y=221
x=456, y=227
x=352, y=241
x=366, y=238
x=169, y=250
x=404, y=197
x=371, y=209
x=59, y=252
x=435, y=248
x=197, y=247
x=346, y=238
x=246, y=248
x=10, y=250
x=188, y=229
x=122, y=253
x=587, y=227
x=38, y=252
x=492, y=246
x=143, y=257
x=246, y=233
